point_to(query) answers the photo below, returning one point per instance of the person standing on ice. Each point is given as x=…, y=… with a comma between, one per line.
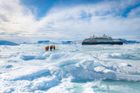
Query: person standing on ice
x=47, y=48
x=51, y=47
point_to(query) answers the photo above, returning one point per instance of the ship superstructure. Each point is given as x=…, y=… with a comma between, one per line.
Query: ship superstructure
x=101, y=40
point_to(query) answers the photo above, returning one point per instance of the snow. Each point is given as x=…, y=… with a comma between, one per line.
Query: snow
x=27, y=68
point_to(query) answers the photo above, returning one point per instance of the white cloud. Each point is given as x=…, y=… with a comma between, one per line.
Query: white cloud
x=15, y=18
x=103, y=20
x=70, y=23
x=135, y=12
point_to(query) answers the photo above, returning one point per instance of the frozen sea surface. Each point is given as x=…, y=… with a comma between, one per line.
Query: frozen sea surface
x=27, y=68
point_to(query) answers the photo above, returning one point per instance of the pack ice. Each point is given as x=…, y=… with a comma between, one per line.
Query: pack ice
x=27, y=68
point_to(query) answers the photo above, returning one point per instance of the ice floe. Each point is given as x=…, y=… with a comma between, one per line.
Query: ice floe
x=23, y=70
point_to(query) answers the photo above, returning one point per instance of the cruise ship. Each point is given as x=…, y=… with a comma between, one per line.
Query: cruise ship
x=102, y=40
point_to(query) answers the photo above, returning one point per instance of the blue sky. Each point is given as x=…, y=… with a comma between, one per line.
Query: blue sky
x=69, y=19
x=43, y=6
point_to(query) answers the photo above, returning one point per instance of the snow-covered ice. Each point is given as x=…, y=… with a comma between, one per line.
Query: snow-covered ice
x=27, y=68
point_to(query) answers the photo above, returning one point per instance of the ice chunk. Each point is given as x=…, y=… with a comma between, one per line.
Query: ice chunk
x=33, y=75
x=99, y=69
x=44, y=83
x=27, y=57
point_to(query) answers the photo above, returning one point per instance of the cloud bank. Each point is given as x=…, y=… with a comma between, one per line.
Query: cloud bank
x=115, y=18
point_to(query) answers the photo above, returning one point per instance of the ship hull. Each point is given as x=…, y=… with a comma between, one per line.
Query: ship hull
x=100, y=43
